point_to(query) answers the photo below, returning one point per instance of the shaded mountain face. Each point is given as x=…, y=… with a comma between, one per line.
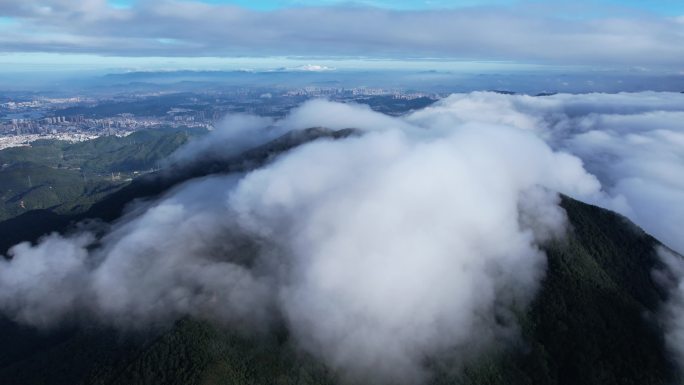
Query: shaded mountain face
x=594, y=318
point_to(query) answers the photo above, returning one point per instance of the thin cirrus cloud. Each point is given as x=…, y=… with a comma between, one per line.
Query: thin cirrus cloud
x=527, y=32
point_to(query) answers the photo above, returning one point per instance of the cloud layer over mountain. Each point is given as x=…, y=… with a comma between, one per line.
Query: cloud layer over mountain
x=418, y=237
x=377, y=251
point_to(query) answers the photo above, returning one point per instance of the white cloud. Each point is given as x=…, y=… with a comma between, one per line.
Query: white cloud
x=631, y=142
x=673, y=310
x=313, y=68
x=232, y=135
x=337, y=116
x=401, y=247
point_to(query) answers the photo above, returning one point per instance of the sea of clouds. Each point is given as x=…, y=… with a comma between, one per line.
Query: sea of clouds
x=423, y=234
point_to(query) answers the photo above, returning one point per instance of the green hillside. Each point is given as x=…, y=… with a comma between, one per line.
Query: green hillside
x=69, y=177
x=29, y=186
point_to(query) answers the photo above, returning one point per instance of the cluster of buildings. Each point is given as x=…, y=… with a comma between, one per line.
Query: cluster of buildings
x=8, y=141
x=41, y=102
x=17, y=132
x=62, y=120
x=21, y=132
